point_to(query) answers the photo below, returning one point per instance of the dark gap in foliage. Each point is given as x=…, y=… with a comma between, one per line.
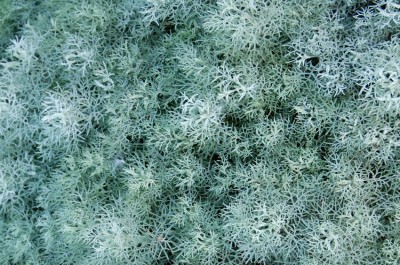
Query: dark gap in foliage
x=233, y=192
x=170, y=258
x=234, y=245
x=301, y=144
x=232, y=121
x=387, y=220
x=212, y=160
x=313, y=61
x=381, y=239
x=389, y=36
x=323, y=139
x=221, y=57
x=168, y=26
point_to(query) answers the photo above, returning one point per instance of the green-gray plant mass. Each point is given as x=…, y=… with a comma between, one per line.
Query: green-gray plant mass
x=200, y=132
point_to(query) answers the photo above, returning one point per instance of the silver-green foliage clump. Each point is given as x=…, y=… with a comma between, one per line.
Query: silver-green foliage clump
x=200, y=132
